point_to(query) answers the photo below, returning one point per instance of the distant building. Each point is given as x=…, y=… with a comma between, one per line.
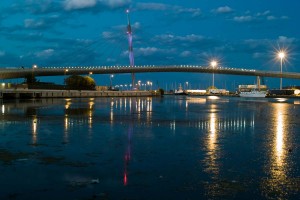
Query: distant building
x=196, y=92
x=101, y=88
x=218, y=91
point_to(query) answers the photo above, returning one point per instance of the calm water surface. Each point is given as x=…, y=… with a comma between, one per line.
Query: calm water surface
x=150, y=148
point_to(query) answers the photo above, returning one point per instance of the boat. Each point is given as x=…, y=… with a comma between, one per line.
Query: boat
x=256, y=90
x=180, y=91
x=254, y=93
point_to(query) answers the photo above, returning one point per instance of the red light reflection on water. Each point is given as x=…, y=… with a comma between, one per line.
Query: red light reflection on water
x=125, y=178
x=127, y=156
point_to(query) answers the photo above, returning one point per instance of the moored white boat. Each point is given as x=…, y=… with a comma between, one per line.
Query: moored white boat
x=256, y=90
x=180, y=91
x=253, y=93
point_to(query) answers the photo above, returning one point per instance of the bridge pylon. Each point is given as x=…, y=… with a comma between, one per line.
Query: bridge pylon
x=130, y=49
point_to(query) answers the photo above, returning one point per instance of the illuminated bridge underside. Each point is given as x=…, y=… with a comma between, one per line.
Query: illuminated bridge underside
x=60, y=71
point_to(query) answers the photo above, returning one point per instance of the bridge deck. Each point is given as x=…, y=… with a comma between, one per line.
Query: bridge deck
x=56, y=71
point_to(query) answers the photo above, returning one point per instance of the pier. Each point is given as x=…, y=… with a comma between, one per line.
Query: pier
x=36, y=94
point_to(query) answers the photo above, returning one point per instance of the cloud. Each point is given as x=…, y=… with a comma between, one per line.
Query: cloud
x=271, y=17
x=286, y=40
x=31, y=23
x=257, y=17
x=152, y=6
x=223, y=10
x=36, y=7
x=173, y=38
x=194, y=12
x=191, y=41
x=45, y=53
x=246, y=18
x=258, y=55
x=115, y=3
x=42, y=22
x=185, y=54
x=267, y=12
x=79, y=4
x=173, y=10
x=147, y=51
x=98, y=5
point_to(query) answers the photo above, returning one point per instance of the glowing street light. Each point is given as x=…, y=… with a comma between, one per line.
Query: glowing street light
x=32, y=73
x=111, y=77
x=66, y=70
x=281, y=56
x=213, y=63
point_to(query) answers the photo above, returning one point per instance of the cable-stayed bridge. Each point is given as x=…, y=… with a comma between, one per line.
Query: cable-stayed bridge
x=10, y=73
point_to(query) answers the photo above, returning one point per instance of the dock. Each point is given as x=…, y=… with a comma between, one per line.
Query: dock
x=37, y=94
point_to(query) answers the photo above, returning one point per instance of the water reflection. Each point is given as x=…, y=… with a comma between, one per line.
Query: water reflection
x=234, y=123
x=127, y=156
x=137, y=106
x=34, y=129
x=212, y=147
x=278, y=165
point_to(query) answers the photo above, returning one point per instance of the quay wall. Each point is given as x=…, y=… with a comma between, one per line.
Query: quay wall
x=35, y=94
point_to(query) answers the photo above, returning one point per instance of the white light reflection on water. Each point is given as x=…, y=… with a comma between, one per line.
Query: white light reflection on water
x=34, y=129
x=211, y=163
x=112, y=111
x=3, y=109
x=66, y=126
x=90, y=113
x=278, y=165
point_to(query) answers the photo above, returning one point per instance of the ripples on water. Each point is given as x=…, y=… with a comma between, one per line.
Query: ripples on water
x=150, y=148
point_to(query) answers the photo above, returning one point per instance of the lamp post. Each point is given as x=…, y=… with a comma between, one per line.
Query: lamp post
x=213, y=63
x=66, y=70
x=111, y=77
x=281, y=55
x=32, y=76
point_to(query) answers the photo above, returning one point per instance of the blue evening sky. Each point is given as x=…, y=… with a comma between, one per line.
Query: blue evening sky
x=242, y=34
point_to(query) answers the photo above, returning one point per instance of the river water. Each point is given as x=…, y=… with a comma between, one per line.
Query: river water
x=172, y=147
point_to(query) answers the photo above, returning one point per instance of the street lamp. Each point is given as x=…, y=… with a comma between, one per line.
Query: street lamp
x=66, y=70
x=187, y=85
x=32, y=74
x=110, y=77
x=213, y=63
x=281, y=55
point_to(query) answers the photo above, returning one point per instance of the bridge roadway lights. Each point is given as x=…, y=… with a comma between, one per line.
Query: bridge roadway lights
x=21, y=73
